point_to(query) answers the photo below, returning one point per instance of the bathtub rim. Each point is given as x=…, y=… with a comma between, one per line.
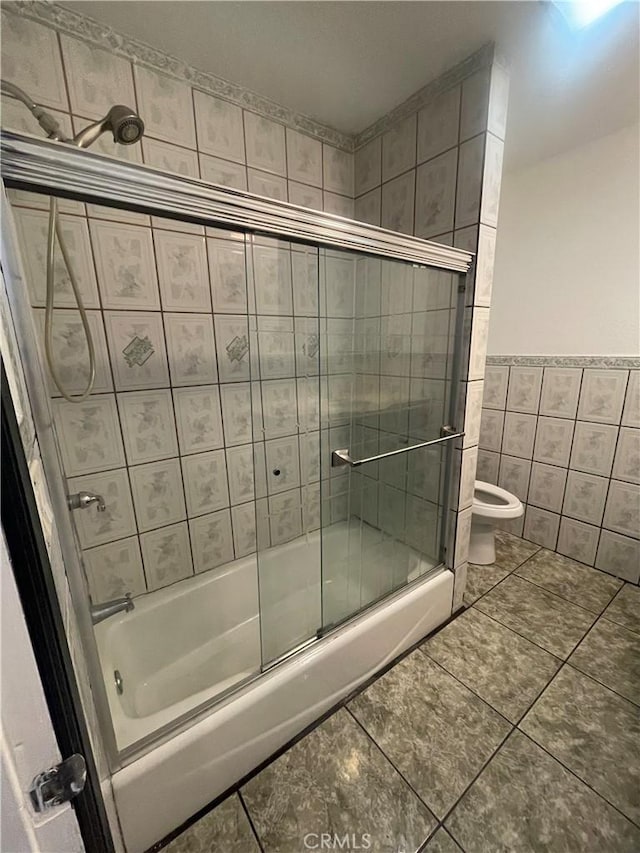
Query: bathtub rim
x=129, y=754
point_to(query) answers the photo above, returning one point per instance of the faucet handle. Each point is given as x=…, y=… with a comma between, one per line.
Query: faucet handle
x=81, y=500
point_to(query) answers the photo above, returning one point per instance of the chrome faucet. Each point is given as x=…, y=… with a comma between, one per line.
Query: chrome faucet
x=81, y=500
x=100, y=612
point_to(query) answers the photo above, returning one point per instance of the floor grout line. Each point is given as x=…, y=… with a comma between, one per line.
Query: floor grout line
x=399, y=772
x=250, y=819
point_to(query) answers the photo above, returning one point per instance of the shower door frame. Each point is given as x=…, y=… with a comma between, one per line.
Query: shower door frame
x=48, y=167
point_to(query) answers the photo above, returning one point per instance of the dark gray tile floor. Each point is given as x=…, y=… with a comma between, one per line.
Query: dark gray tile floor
x=515, y=728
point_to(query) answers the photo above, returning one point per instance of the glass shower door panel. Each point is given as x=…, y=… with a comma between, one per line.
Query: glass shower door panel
x=285, y=376
x=385, y=387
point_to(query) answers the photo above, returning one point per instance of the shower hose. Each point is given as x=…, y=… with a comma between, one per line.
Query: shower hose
x=55, y=230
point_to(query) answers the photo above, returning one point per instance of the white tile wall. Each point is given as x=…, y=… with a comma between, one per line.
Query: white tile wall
x=582, y=495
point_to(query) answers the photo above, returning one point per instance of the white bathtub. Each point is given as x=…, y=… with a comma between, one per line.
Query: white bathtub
x=186, y=644
x=183, y=645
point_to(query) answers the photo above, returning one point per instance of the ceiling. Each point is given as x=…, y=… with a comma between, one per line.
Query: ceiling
x=348, y=63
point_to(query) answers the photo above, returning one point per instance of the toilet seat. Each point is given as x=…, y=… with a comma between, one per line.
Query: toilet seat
x=491, y=501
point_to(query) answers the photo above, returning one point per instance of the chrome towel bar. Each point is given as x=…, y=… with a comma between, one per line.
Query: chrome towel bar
x=342, y=457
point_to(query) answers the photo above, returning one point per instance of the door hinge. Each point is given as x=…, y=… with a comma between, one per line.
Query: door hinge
x=59, y=784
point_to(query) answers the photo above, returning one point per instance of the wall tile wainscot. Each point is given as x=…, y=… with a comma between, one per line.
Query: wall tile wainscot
x=563, y=434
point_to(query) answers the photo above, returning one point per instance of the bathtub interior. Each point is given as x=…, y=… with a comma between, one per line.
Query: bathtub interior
x=186, y=645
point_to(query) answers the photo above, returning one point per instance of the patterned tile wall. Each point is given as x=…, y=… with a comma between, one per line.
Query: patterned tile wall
x=436, y=173
x=566, y=441
x=193, y=409
x=187, y=130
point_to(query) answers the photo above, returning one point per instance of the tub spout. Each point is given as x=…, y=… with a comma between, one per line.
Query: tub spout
x=100, y=612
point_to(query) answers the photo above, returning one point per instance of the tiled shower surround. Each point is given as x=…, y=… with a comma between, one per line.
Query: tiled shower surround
x=564, y=436
x=431, y=167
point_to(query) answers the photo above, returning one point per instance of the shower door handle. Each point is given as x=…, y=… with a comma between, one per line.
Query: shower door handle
x=342, y=457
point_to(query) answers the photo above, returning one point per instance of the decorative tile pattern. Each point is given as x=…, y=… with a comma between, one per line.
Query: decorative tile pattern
x=166, y=555
x=569, y=721
x=519, y=431
x=631, y=411
x=611, y=655
x=71, y=354
x=148, y=425
x=408, y=713
x=306, y=790
x=593, y=448
x=89, y=435
x=205, y=482
x=496, y=379
x=117, y=521
x=114, y=570
x=541, y=527
x=125, y=265
x=304, y=158
x=211, y=540
x=95, y=78
x=166, y=106
x=524, y=389
x=31, y=59
x=602, y=396
x=219, y=126
x=137, y=348
x=191, y=349
x=546, y=487
x=157, y=493
x=182, y=272
x=626, y=465
x=539, y=616
x=501, y=667
x=553, y=441
x=578, y=540
x=226, y=828
x=580, y=584
x=623, y=508
x=562, y=813
x=32, y=228
x=585, y=497
x=560, y=390
x=368, y=166
x=619, y=555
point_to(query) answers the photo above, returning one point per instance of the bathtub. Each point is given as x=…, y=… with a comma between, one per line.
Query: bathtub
x=186, y=645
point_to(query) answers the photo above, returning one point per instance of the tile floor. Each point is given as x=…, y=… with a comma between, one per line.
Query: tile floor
x=514, y=728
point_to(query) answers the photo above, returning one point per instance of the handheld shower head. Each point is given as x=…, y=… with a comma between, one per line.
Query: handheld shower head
x=125, y=124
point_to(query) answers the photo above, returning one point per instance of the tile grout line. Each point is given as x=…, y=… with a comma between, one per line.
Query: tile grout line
x=250, y=819
x=370, y=738
x=575, y=776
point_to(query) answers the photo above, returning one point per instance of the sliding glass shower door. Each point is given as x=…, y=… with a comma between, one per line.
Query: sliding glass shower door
x=388, y=335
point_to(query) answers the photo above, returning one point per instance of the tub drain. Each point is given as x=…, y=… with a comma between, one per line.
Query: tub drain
x=118, y=680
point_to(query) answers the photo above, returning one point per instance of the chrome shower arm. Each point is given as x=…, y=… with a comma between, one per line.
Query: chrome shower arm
x=44, y=119
x=88, y=135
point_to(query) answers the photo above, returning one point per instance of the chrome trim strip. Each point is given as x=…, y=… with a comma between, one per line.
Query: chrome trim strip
x=47, y=166
x=342, y=457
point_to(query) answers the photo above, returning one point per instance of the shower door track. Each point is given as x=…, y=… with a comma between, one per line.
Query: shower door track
x=42, y=165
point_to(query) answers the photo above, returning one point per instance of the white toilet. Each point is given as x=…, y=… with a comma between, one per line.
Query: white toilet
x=490, y=503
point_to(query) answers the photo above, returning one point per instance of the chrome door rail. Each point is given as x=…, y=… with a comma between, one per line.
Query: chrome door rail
x=342, y=457
x=43, y=165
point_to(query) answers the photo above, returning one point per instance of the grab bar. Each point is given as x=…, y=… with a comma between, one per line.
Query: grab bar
x=342, y=457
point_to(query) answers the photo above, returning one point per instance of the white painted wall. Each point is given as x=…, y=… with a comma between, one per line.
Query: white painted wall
x=567, y=274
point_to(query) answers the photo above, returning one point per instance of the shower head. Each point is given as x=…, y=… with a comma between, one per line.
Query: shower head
x=125, y=124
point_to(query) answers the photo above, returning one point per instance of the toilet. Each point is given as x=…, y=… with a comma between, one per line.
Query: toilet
x=490, y=504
